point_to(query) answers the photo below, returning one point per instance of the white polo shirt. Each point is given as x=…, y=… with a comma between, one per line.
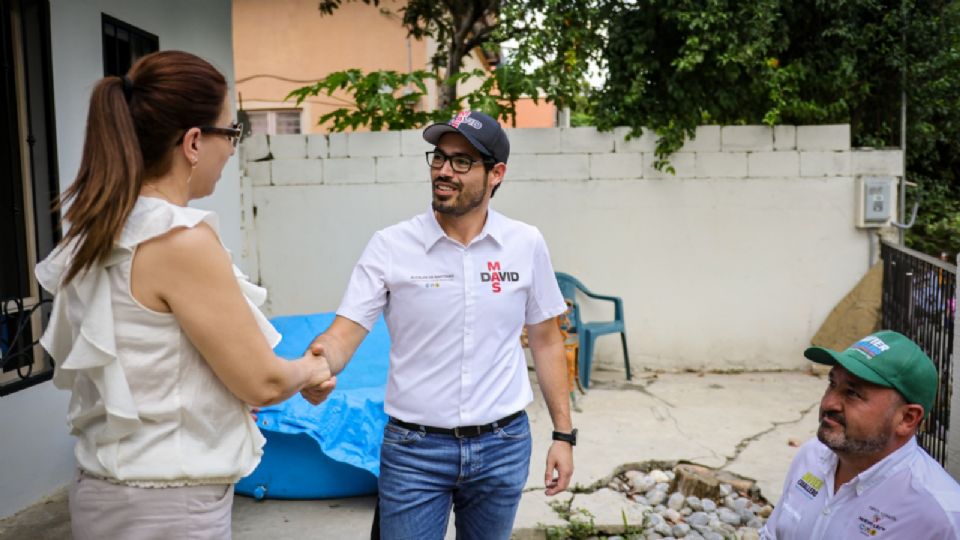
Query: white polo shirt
x=907, y=495
x=455, y=314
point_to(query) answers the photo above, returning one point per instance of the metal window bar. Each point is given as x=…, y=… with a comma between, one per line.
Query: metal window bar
x=919, y=301
x=26, y=104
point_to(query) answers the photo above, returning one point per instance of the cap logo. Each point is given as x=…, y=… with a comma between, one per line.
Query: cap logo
x=463, y=117
x=870, y=346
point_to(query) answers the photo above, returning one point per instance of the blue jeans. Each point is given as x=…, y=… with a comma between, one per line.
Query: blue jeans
x=423, y=474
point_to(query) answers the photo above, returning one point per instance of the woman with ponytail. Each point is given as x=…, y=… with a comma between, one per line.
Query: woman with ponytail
x=153, y=330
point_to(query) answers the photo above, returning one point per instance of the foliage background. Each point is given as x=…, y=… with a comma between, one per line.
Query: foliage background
x=670, y=65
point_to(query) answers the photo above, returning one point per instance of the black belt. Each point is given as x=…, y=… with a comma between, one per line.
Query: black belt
x=459, y=432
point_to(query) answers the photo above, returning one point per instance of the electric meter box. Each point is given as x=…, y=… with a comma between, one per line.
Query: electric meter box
x=876, y=200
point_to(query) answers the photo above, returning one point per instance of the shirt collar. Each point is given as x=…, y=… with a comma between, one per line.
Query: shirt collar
x=879, y=472
x=432, y=232
x=887, y=466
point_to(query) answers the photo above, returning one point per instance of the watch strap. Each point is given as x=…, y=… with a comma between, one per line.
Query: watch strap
x=566, y=437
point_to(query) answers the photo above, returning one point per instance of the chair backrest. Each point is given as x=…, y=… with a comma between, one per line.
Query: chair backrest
x=568, y=288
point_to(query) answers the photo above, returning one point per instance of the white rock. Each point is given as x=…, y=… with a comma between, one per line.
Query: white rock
x=663, y=529
x=681, y=530
x=642, y=483
x=694, y=503
x=726, y=489
x=708, y=505
x=729, y=516
x=698, y=518
x=672, y=515
x=655, y=497
x=676, y=500
x=659, y=476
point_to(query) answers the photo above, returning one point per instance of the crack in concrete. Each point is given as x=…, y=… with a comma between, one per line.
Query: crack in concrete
x=745, y=442
x=676, y=424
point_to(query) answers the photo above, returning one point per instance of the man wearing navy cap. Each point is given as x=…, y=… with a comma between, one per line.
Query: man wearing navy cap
x=865, y=475
x=457, y=285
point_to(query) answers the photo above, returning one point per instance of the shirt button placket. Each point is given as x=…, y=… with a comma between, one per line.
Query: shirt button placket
x=469, y=320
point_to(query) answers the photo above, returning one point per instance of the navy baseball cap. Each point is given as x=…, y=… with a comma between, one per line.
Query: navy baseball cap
x=482, y=131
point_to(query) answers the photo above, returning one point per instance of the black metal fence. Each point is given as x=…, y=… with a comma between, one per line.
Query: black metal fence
x=919, y=301
x=28, y=187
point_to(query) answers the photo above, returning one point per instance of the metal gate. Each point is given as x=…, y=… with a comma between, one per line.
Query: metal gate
x=919, y=301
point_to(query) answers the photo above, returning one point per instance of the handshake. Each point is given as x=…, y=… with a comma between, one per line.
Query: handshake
x=322, y=381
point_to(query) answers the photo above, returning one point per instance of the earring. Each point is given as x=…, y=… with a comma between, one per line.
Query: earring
x=193, y=167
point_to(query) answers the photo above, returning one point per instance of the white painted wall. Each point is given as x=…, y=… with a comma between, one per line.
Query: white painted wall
x=36, y=449
x=203, y=28
x=731, y=264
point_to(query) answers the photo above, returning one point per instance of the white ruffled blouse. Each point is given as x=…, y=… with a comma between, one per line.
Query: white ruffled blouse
x=146, y=408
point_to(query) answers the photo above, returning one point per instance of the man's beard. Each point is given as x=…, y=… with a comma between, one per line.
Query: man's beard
x=837, y=440
x=462, y=206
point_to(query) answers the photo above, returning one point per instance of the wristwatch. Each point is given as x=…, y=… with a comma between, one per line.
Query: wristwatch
x=566, y=437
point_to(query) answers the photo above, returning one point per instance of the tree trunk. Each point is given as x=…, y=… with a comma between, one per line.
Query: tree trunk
x=447, y=92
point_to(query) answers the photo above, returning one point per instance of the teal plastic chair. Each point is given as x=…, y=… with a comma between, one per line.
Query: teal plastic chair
x=588, y=332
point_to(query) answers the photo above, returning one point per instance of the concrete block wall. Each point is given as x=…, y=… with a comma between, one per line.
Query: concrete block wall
x=731, y=262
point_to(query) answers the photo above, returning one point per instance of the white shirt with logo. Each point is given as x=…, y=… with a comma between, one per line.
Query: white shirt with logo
x=907, y=495
x=455, y=314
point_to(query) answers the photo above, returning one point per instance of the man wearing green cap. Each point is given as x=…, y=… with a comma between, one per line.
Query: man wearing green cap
x=865, y=475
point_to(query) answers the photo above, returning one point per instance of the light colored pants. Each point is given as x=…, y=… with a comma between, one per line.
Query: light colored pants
x=103, y=510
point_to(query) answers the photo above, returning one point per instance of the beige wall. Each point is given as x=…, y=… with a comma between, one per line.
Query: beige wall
x=289, y=39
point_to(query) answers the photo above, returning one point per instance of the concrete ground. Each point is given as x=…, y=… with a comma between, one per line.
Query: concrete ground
x=746, y=423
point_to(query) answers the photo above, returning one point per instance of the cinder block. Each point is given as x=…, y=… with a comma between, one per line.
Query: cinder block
x=288, y=146
x=825, y=163
x=756, y=138
x=402, y=169
x=616, y=165
x=255, y=147
x=585, y=140
x=412, y=143
x=720, y=164
x=773, y=164
x=317, y=146
x=646, y=142
x=293, y=172
x=521, y=167
x=563, y=167
x=683, y=163
x=879, y=162
x=706, y=139
x=828, y=137
x=533, y=141
x=349, y=171
x=784, y=137
x=337, y=145
x=258, y=172
x=373, y=143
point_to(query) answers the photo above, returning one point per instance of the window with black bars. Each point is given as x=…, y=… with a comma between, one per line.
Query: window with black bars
x=123, y=45
x=28, y=186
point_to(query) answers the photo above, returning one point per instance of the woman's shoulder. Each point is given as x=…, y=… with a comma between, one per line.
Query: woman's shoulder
x=154, y=218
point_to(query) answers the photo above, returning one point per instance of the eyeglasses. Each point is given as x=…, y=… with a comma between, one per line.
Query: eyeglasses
x=234, y=132
x=460, y=163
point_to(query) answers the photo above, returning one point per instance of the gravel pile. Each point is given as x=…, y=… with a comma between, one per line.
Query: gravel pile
x=728, y=515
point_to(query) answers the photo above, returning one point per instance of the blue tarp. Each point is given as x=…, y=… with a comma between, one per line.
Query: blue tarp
x=330, y=450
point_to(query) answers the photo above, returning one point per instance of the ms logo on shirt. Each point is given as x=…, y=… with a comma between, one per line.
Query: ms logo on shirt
x=495, y=276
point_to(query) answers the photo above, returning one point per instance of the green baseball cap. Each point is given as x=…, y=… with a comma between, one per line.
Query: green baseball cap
x=889, y=359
